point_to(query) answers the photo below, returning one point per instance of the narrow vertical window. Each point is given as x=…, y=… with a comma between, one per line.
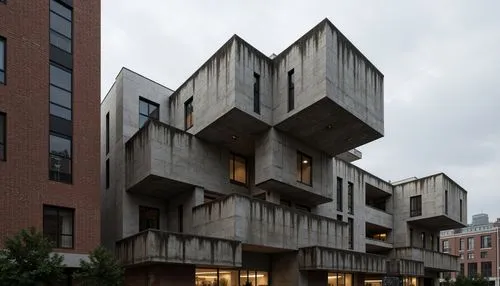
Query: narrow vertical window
x=432, y=242
x=149, y=218
x=180, y=216
x=58, y=226
x=3, y=55
x=107, y=133
x=3, y=136
x=415, y=206
x=256, y=93
x=60, y=26
x=237, y=169
x=107, y=173
x=148, y=110
x=60, y=158
x=350, y=198
x=411, y=237
x=188, y=114
x=462, y=244
x=445, y=202
x=350, y=222
x=291, y=90
x=304, y=169
x=422, y=237
x=339, y=194
x=461, y=210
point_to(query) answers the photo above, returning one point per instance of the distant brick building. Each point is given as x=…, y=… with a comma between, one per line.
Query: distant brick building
x=49, y=122
x=476, y=246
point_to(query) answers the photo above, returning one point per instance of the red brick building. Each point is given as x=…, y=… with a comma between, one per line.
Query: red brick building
x=477, y=248
x=49, y=121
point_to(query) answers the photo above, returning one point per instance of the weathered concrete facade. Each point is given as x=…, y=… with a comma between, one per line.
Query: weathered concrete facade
x=243, y=170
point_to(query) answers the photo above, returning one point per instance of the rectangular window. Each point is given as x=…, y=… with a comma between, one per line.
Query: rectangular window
x=180, y=218
x=470, y=243
x=470, y=255
x=304, y=169
x=188, y=114
x=422, y=238
x=107, y=173
x=446, y=246
x=462, y=269
x=484, y=254
x=461, y=214
x=107, y=133
x=446, y=202
x=60, y=26
x=339, y=194
x=350, y=222
x=461, y=256
x=3, y=136
x=350, y=198
x=486, y=241
x=60, y=92
x=60, y=158
x=486, y=269
x=432, y=241
x=237, y=169
x=256, y=93
x=3, y=56
x=148, y=110
x=415, y=206
x=58, y=226
x=462, y=244
x=472, y=269
x=291, y=91
x=149, y=218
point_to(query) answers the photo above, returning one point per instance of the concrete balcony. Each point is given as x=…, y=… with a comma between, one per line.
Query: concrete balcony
x=162, y=161
x=321, y=258
x=378, y=217
x=443, y=203
x=260, y=224
x=154, y=246
x=405, y=267
x=431, y=259
x=350, y=156
x=375, y=245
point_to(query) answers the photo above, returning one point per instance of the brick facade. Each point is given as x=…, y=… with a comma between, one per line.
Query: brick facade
x=24, y=181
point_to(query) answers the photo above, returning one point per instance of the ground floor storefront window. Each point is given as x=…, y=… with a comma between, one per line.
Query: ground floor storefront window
x=224, y=277
x=410, y=281
x=339, y=279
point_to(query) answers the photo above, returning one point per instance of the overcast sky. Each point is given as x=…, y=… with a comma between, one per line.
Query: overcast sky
x=441, y=61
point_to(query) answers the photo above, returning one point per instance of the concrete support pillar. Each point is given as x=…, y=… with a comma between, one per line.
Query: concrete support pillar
x=358, y=279
x=285, y=269
x=196, y=198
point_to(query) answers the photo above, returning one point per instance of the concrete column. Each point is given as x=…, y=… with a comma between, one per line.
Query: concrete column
x=358, y=279
x=196, y=198
x=285, y=269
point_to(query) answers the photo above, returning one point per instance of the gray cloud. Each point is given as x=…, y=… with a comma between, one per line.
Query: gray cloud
x=440, y=60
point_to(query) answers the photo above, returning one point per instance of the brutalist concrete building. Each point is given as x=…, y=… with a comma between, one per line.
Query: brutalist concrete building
x=242, y=175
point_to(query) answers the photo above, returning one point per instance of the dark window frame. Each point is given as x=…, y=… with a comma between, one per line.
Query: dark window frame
x=471, y=271
x=232, y=177
x=350, y=198
x=416, y=206
x=59, y=231
x=256, y=93
x=301, y=157
x=486, y=271
x=107, y=133
x=148, y=115
x=188, y=111
x=291, y=90
x=461, y=244
x=340, y=195
x=4, y=68
x=3, y=155
x=350, y=223
x=144, y=223
x=107, y=174
x=180, y=218
x=482, y=244
x=52, y=30
x=423, y=239
x=70, y=109
x=52, y=177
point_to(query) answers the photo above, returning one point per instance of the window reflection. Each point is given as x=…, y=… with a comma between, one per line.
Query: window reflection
x=226, y=277
x=339, y=279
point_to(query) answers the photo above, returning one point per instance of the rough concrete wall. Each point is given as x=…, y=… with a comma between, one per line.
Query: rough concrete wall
x=455, y=193
x=213, y=85
x=307, y=57
x=257, y=222
x=188, y=200
x=250, y=61
x=276, y=159
x=131, y=217
x=352, y=81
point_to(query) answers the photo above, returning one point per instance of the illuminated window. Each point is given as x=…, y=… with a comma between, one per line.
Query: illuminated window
x=410, y=281
x=304, y=169
x=223, y=277
x=237, y=169
x=339, y=279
